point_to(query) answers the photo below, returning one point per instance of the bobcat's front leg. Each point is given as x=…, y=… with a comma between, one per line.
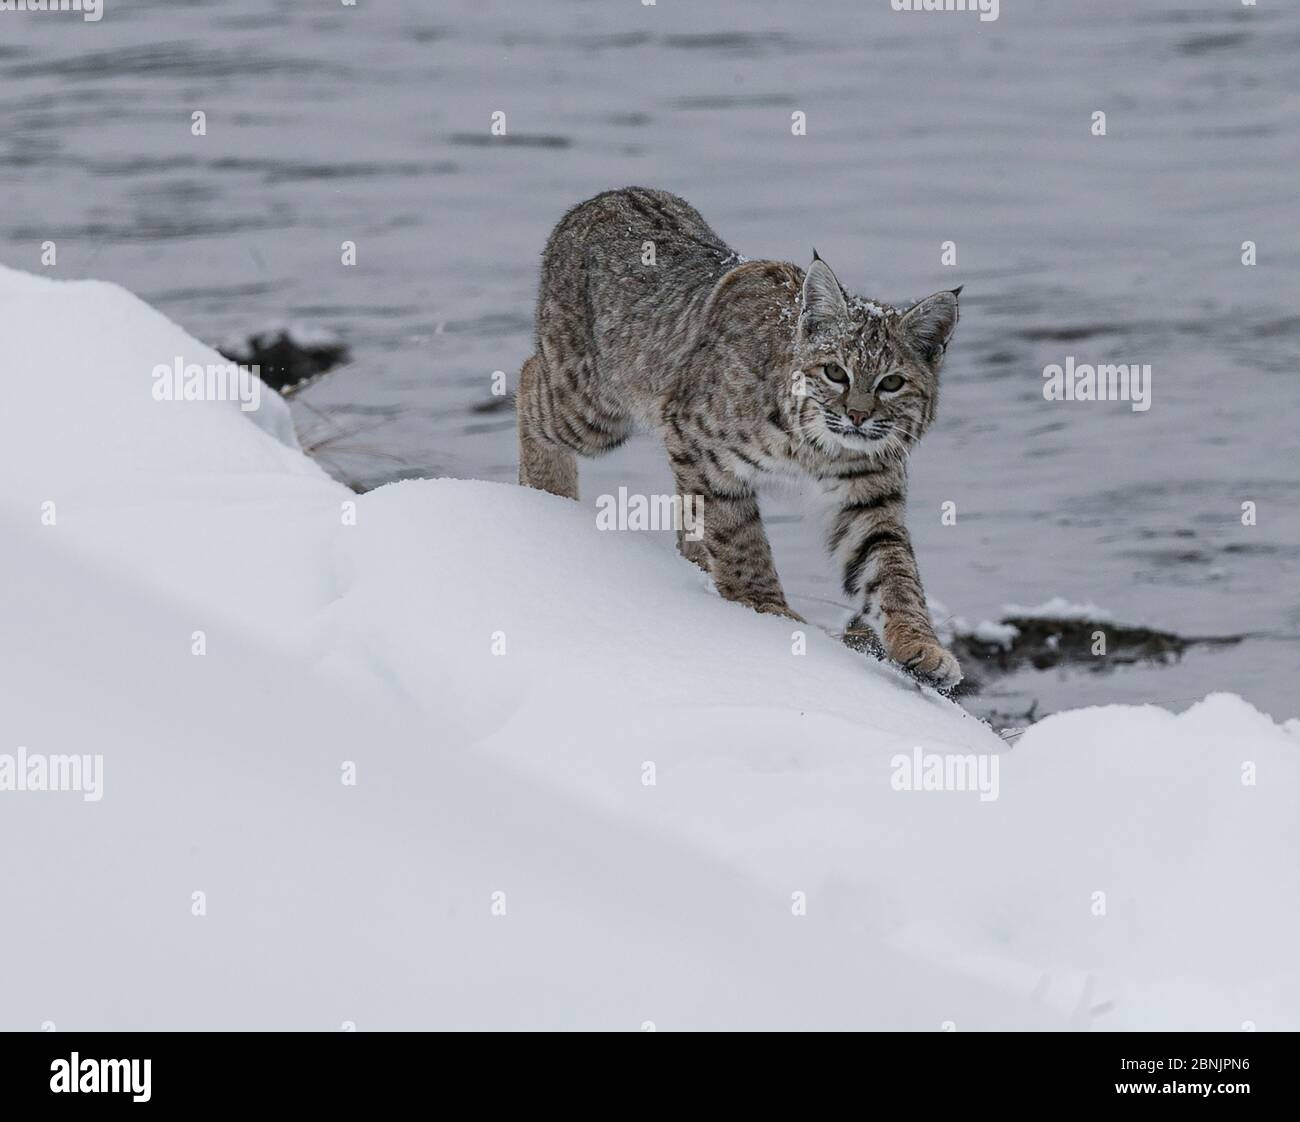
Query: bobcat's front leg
x=880, y=572
x=728, y=527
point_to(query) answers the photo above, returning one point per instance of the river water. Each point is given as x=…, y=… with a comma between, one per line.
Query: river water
x=328, y=123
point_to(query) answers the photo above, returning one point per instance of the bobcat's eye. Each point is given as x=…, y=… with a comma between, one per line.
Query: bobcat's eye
x=891, y=383
x=836, y=374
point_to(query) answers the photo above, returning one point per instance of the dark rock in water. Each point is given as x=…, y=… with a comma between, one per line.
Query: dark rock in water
x=1044, y=642
x=287, y=361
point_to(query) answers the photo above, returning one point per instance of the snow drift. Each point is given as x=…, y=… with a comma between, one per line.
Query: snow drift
x=587, y=793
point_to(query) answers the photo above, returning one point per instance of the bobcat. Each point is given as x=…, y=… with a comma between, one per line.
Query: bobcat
x=742, y=368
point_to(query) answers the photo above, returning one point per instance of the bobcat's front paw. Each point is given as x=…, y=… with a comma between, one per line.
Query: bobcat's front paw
x=774, y=608
x=923, y=657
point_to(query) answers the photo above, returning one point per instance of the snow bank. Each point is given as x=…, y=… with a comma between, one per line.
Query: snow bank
x=588, y=793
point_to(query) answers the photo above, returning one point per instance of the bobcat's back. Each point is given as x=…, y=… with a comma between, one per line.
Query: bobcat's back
x=624, y=276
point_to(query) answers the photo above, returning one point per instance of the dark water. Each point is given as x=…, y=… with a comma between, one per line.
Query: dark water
x=371, y=124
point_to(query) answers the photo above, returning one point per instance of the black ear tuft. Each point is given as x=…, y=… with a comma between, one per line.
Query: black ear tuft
x=816, y=255
x=957, y=291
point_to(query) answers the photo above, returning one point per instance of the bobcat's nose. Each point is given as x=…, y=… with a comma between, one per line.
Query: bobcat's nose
x=857, y=418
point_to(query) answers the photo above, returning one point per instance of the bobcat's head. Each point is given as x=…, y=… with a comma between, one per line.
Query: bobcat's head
x=871, y=373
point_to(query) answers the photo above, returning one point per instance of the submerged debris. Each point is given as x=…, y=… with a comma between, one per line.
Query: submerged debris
x=494, y=404
x=1042, y=642
x=288, y=358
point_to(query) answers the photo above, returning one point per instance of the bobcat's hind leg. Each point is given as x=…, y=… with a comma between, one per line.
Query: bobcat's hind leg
x=543, y=464
x=561, y=412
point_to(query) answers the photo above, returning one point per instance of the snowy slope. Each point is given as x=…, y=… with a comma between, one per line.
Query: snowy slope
x=504, y=677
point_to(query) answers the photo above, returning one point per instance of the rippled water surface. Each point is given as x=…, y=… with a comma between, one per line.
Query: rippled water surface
x=371, y=124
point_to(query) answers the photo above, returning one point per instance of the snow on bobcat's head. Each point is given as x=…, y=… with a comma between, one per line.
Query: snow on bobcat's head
x=871, y=372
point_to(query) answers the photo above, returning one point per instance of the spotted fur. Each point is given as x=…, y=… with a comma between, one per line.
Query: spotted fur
x=744, y=369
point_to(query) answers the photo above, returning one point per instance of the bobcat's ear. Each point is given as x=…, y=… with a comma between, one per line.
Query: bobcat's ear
x=929, y=324
x=822, y=300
